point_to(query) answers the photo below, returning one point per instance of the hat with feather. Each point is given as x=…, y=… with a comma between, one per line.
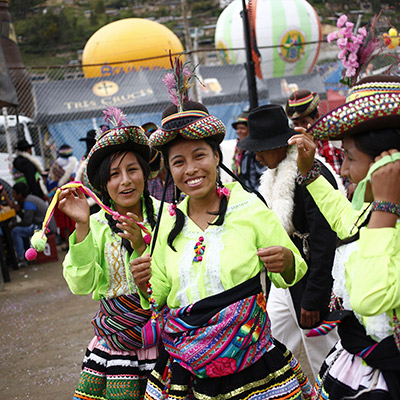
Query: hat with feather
x=185, y=118
x=372, y=103
x=122, y=137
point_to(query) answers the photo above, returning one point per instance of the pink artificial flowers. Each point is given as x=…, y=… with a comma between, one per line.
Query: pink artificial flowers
x=349, y=44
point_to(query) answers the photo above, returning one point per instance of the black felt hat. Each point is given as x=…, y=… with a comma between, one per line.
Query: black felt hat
x=90, y=136
x=23, y=145
x=268, y=129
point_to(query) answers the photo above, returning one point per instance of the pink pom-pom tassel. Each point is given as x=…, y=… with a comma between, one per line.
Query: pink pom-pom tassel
x=147, y=239
x=31, y=254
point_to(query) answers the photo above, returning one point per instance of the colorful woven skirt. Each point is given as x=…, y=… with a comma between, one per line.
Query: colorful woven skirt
x=276, y=376
x=110, y=374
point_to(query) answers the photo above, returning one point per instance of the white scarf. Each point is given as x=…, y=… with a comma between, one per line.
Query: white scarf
x=277, y=187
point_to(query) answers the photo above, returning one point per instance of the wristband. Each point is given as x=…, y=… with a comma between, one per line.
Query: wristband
x=312, y=174
x=386, y=206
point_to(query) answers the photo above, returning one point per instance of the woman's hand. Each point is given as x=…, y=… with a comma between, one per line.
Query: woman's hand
x=309, y=319
x=278, y=259
x=306, y=147
x=132, y=232
x=72, y=202
x=386, y=180
x=141, y=271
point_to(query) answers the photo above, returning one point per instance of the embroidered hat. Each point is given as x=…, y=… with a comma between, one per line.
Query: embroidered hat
x=23, y=145
x=372, y=103
x=301, y=103
x=194, y=122
x=65, y=151
x=242, y=119
x=156, y=162
x=120, y=138
x=268, y=129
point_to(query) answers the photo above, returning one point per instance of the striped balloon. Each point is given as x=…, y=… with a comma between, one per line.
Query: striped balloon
x=280, y=23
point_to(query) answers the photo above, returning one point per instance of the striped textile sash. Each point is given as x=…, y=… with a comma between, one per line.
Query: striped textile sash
x=124, y=324
x=219, y=335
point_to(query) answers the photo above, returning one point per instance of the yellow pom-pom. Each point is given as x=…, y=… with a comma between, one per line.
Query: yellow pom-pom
x=38, y=242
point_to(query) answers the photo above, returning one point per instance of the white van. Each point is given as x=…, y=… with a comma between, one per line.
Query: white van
x=26, y=128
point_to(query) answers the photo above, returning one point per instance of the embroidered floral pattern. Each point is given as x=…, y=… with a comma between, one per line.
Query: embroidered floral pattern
x=221, y=367
x=261, y=301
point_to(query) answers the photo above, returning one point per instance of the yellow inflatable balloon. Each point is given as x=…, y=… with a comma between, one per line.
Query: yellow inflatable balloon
x=394, y=38
x=125, y=40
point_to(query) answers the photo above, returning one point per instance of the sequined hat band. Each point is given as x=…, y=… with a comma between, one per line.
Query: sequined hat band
x=376, y=111
x=200, y=129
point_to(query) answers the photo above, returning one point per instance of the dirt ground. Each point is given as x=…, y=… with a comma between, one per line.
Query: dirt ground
x=44, y=331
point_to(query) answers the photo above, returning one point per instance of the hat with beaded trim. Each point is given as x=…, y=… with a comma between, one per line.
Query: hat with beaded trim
x=301, y=103
x=372, y=103
x=120, y=138
x=185, y=118
x=193, y=123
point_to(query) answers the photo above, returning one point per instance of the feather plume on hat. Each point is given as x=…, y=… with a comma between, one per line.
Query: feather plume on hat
x=178, y=81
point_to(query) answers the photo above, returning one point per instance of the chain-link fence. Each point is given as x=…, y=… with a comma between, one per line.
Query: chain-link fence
x=62, y=104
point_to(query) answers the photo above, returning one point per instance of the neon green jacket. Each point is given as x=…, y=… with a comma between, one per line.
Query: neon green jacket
x=373, y=270
x=230, y=252
x=99, y=264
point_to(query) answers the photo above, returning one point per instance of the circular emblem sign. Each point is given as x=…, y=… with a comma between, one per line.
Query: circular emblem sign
x=292, y=46
x=105, y=88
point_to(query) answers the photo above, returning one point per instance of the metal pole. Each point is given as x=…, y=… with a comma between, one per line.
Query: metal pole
x=188, y=41
x=196, y=61
x=7, y=131
x=251, y=75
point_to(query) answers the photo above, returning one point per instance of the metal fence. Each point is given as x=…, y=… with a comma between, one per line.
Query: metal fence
x=63, y=104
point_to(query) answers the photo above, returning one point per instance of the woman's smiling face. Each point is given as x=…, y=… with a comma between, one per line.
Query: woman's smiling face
x=356, y=165
x=193, y=165
x=126, y=183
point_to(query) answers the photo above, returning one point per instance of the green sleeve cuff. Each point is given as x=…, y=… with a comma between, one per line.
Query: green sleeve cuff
x=82, y=253
x=135, y=255
x=300, y=268
x=144, y=301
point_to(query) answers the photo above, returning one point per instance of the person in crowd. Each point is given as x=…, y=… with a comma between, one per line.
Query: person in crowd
x=244, y=163
x=205, y=275
x=158, y=175
x=33, y=210
x=90, y=140
x=6, y=194
x=62, y=171
x=27, y=169
x=117, y=361
x=302, y=109
x=365, y=363
x=294, y=311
